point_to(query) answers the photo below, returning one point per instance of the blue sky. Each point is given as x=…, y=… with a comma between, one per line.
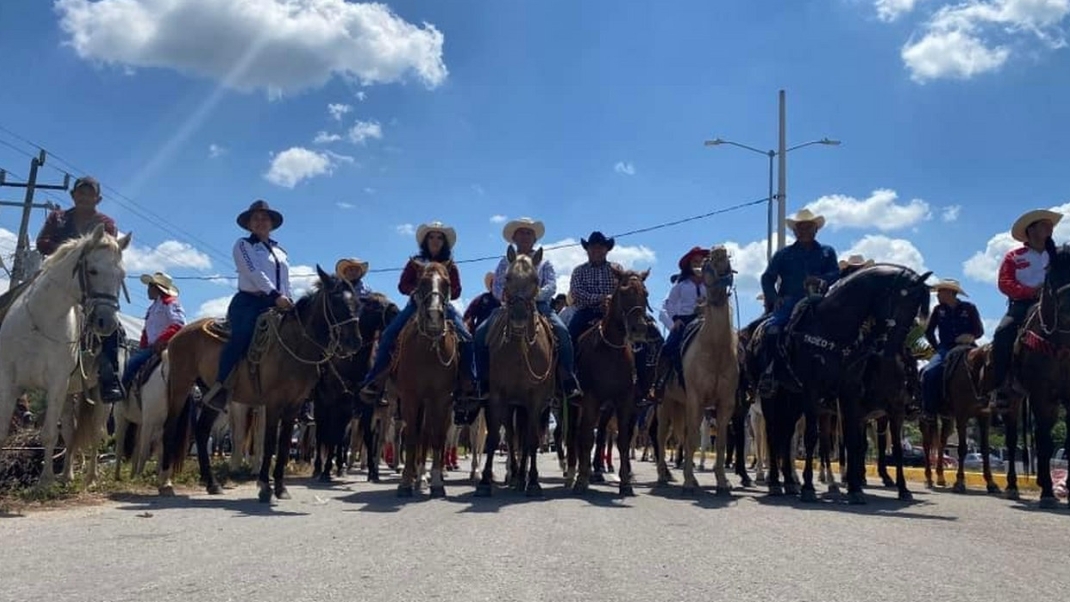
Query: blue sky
x=360, y=121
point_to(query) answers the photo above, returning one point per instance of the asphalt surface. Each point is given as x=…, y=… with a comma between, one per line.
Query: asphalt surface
x=357, y=541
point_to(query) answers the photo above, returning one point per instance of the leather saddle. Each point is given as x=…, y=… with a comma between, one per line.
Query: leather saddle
x=218, y=328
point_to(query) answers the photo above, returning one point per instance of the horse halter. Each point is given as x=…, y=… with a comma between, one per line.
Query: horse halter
x=725, y=280
x=92, y=300
x=1055, y=295
x=333, y=348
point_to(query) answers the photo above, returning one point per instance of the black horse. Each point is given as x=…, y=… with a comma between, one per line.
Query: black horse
x=842, y=346
x=336, y=396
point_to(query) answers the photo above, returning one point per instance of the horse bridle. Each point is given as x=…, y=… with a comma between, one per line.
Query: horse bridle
x=334, y=330
x=91, y=300
x=1055, y=295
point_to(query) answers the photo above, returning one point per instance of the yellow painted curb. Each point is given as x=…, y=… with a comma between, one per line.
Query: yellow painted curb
x=974, y=480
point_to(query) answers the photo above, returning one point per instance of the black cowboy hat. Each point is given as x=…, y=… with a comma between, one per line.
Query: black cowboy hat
x=260, y=205
x=597, y=238
x=89, y=181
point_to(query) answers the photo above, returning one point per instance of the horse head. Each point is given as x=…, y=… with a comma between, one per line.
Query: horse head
x=718, y=276
x=338, y=320
x=1055, y=293
x=906, y=303
x=629, y=302
x=431, y=295
x=99, y=271
x=521, y=287
x=376, y=313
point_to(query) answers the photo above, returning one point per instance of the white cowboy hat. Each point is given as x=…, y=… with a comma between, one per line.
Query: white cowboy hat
x=162, y=282
x=488, y=280
x=855, y=260
x=523, y=222
x=340, y=267
x=436, y=226
x=1030, y=217
x=805, y=215
x=949, y=284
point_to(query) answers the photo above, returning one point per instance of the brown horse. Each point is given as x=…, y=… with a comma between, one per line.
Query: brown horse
x=279, y=372
x=711, y=375
x=1042, y=365
x=606, y=368
x=961, y=401
x=522, y=361
x=425, y=375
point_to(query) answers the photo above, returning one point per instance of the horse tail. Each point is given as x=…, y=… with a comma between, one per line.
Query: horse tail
x=87, y=433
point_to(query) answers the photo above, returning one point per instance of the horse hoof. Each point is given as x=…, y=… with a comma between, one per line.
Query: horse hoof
x=1048, y=503
x=958, y=488
x=723, y=491
x=405, y=491
x=856, y=498
x=1012, y=494
x=214, y=489
x=929, y=485
x=746, y=481
x=834, y=489
x=689, y=490
x=325, y=477
x=579, y=488
x=167, y=491
x=282, y=493
x=906, y=496
x=776, y=490
x=626, y=491
x=791, y=489
x=993, y=489
x=533, y=490
x=821, y=478
x=598, y=477
x=438, y=491
x=264, y=496
x=808, y=495
x=941, y=483
x=889, y=483
x=373, y=478
x=483, y=490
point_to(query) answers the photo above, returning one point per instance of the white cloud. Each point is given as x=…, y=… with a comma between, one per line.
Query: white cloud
x=214, y=150
x=951, y=213
x=302, y=277
x=295, y=164
x=990, y=329
x=165, y=256
x=476, y=188
x=276, y=45
x=498, y=219
x=624, y=167
x=214, y=308
x=345, y=205
x=361, y=95
x=325, y=138
x=369, y=190
x=983, y=266
x=566, y=259
x=749, y=262
x=338, y=110
x=406, y=229
x=879, y=211
x=363, y=130
x=977, y=36
x=880, y=248
x=890, y=10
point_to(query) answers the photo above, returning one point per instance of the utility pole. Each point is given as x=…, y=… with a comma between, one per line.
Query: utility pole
x=18, y=270
x=782, y=177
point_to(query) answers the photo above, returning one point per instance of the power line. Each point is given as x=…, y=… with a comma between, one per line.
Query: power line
x=643, y=230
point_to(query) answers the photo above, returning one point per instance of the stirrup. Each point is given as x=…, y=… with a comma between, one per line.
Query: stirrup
x=215, y=398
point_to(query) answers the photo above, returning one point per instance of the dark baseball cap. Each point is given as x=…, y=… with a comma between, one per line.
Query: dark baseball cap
x=86, y=181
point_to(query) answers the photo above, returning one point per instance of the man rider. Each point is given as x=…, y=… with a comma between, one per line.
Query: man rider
x=591, y=284
x=791, y=271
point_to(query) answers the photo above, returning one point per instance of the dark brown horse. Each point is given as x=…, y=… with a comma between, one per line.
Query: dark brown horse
x=278, y=373
x=605, y=365
x=1042, y=366
x=425, y=376
x=522, y=363
x=961, y=400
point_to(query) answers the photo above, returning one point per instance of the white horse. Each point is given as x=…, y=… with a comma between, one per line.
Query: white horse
x=46, y=332
x=144, y=419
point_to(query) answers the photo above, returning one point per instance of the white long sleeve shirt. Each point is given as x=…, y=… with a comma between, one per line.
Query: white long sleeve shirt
x=683, y=298
x=163, y=315
x=262, y=268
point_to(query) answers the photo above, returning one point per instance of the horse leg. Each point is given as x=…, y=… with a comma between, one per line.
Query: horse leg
x=585, y=440
x=661, y=443
x=927, y=437
x=272, y=417
x=854, y=435
x=486, y=482
x=66, y=429
x=986, y=449
x=725, y=404
x=201, y=430
x=1010, y=434
x=439, y=419
x=57, y=395
x=282, y=454
x=739, y=442
x=531, y=435
x=599, y=467
x=626, y=419
x=692, y=417
x=808, y=493
x=896, y=426
x=562, y=462
x=703, y=442
x=1045, y=413
x=961, y=421
x=477, y=441
x=826, y=424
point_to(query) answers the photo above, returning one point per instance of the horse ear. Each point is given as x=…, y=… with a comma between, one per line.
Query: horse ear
x=124, y=242
x=925, y=276
x=324, y=276
x=644, y=274
x=537, y=258
x=98, y=233
x=510, y=254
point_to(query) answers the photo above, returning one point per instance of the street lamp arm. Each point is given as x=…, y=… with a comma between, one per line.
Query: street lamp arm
x=824, y=141
x=719, y=141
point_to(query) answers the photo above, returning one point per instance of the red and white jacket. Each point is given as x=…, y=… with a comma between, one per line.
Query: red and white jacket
x=1022, y=273
x=164, y=318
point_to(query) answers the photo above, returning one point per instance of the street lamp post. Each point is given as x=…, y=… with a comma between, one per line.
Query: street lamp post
x=781, y=194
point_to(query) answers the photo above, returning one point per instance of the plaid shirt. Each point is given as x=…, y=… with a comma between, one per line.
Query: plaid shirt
x=591, y=284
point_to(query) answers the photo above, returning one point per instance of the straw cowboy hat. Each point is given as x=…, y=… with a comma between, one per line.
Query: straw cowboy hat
x=436, y=226
x=685, y=261
x=259, y=205
x=597, y=238
x=340, y=267
x=162, y=281
x=488, y=280
x=949, y=284
x=805, y=215
x=523, y=222
x=855, y=260
x=1029, y=218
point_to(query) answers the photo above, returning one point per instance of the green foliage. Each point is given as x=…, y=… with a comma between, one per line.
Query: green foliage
x=917, y=344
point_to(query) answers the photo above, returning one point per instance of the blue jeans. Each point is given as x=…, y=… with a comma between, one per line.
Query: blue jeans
x=566, y=358
x=932, y=380
x=134, y=363
x=243, y=312
x=581, y=320
x=388, y=340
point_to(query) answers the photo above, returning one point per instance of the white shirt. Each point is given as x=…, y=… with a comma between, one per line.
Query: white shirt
x=684, y=297
x=162, y=315
x=262, y=268
x=1031, y=266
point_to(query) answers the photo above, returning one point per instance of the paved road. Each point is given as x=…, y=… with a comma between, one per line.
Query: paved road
x=357, y=541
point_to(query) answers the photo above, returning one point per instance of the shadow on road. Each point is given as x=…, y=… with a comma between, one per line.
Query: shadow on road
x=243, y=507
x=877, y=506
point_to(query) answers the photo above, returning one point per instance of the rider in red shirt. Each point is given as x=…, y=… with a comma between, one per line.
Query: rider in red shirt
x=1021, y=276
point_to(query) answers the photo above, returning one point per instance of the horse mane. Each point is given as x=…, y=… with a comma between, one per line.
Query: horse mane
x=75, y=246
